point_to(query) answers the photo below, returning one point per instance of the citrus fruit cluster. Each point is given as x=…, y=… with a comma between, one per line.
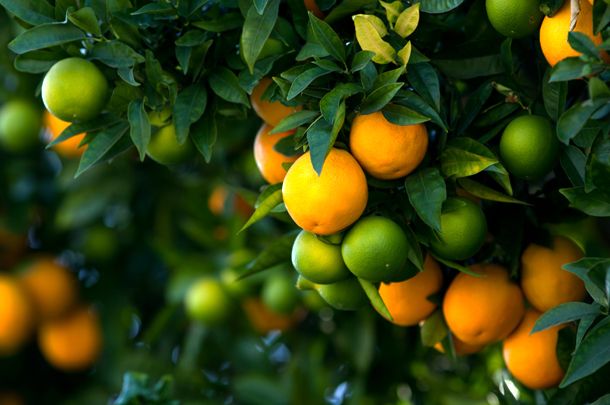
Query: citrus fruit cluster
x=44, y=296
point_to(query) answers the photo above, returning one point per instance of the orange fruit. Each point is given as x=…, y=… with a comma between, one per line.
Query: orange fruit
x=51, y=286
x=16, y=315
x=328, y=203
x=545, y=284
x=268, y=160
x=386, y=150
x=312, y=6
x=11, y=398
x=222, y=199
x=70, y=148
x=73, y=342
x=532, y=358
x=407, y=300
x=272, y=112
x=554, y=32
x=12, y=246
x=263, y=320
x=485, y=309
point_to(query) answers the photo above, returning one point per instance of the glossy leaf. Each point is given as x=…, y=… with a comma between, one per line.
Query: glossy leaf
x=139, y=126
x=373, y=294
x=564, y=313
x=427, y=191
x=45, y=36
x=270, y=198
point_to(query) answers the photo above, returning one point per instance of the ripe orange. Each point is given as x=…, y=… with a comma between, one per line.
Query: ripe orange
x=483, y=310
x=16, y=315
x=328, y=203
x=263, y=320
x=223, y=199
x=74, y=89
x=545, y=284
x=70, y=147
x=270, y=161
x=407, y=300
x=73, y=342
x=554, y=32
x=386, y=150
x=532, y=358
x=272, y=112
x=51, y=286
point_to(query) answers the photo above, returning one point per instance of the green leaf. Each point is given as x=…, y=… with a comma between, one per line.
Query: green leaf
x=139, y=126
x=416, y=103
x=554, y=95
x=573, y=161
x=295, y=120
x=76, y=128
x=591, y=355
x=438, y=6
x=45, y=36
x=100, y=145
x=596, y=203
x=434, y=329
x=260, y=5
x=427, y=191
x=256, y=30
x=570, y=69
x=33, y=12
x=277, y=252
x=461, y=163
x=189, y=107
x=302, y=81
x=270, y=198
x=116, y=54
x=204, y=134
x=603, y=400
x=404, y=55
x=361, y=59
x=424, y=80
x=564, y=313
x=583, y=44
x=37, y=61
x=475, y=102
x=329, y=104
x=573, y=120
x=327, y=38
x=479, y=190
x=373, y=294
x=599, y=275
x=226, y=85
x=407, y=21
x=389, y=76
x=154, y=9
x=192, y=38
x=369, y=33
x=471, y=68
x=225, y=22
x=86, y=20
x=581, y=268
x=400, y=115
x=379, y=98
x=320, y=142
x=598, y=89
x=598, y=163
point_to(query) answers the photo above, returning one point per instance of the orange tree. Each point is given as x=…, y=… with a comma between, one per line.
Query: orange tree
x=466, y=134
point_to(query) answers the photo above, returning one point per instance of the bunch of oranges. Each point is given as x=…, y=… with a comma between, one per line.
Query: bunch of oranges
x=44, y=296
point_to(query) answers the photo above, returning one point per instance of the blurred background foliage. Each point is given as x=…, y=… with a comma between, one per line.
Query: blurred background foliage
x=136, y=235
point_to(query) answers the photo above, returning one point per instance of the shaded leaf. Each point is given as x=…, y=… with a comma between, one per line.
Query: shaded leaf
x=427, y=191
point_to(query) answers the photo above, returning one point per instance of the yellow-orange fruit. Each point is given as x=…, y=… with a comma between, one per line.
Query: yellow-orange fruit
x=269, y=161
x=407, y=301
x=328, y=203
x=272, y=112
x=68, y=148
x=532, y=358
x=16, y=315
x=485, y=309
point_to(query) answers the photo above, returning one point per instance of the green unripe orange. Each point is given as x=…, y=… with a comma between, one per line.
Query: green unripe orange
x=207, y=302
x=20, y=123
x=529, y=147
x=74, y=89
x=317, y=259
x=463, y=230
x=346, y=295
x=165, y=149
x=514, y=18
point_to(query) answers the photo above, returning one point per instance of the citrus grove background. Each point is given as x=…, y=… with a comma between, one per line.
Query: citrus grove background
x=278, y=202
